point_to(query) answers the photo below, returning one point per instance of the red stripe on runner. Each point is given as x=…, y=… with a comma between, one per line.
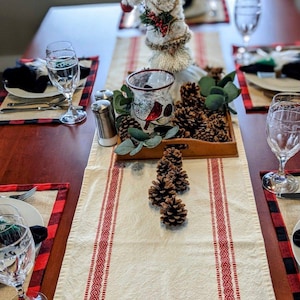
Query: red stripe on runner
x=200, y=52
x=96, y=284
x=226, y=272
x=116, y=201
x=132, y=53
x=99, y=269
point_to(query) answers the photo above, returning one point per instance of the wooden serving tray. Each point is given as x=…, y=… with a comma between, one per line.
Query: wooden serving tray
x=195, y=148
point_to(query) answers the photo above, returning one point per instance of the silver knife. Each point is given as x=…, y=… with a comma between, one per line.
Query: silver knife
x=19, y=109
x=36, y=108
x=290, y=195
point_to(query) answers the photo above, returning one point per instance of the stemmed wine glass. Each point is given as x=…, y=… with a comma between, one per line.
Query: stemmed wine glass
x=17, y=255
x=246, y=17
x=58, y=45
x=64, y=73
x=283, y=137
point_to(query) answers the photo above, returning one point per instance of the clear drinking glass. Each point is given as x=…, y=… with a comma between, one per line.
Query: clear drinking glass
x=17, y=256
x=283, y=136
x=58, y=45
x=246, y=17
x=64, y=73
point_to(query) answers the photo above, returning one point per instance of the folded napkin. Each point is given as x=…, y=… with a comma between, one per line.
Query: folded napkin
x=39, y=233
x=286, y=63
x=257, y=67
x=32, y=75
x=291, y=70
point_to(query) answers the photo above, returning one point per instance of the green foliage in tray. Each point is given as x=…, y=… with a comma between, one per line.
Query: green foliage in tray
x=219, y=93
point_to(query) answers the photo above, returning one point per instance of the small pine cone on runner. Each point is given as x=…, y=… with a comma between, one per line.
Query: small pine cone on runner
x=180, y=180
x=173, y=212
x=174, y=156
x=164, y=166
x=162, y=189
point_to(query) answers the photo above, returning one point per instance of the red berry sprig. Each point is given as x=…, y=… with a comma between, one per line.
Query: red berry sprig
x=160, y=22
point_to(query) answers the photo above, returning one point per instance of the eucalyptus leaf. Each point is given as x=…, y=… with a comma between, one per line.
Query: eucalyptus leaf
x=214, y=101
x=121, y=111
x=205, y=84
x=153, y=142
x=117, y=99
x=127, y=91
x=232, y=91
x=171, y=132
x=216, y=90
x=125, y=101
x=125, y=147
x=138, y=134
x=227, y=78
x=231, y=110
x=137, y=149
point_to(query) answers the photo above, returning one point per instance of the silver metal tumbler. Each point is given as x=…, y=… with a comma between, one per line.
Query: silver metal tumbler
x=107, y=134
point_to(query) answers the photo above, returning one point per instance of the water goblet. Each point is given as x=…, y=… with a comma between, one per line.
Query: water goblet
x=246, y=17
x=283, y=137
x=58, y=45
x=17, y=255
x=64, y=73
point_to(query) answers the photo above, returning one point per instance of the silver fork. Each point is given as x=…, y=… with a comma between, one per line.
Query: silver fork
x=23, y=196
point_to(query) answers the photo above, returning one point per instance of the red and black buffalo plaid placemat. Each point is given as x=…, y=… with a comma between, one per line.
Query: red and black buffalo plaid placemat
x=85, y=97
x=284, y=242
x=57, y=210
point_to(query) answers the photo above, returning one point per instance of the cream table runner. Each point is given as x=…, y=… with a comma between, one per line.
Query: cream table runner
x=118, y=249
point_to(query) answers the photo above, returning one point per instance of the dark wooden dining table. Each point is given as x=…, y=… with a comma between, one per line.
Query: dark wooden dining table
x=37, y=153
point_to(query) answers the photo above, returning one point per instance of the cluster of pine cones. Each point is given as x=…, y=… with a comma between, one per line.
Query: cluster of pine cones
x=171, y=180
x=195, y=120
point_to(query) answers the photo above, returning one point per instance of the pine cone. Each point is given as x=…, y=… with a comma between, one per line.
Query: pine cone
x=174, y=156
x=164, y=166
x=127, y=122
x=190, y=94
x=214, y=72
x=173, y=211
x=180, y=180
x=162, y=189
